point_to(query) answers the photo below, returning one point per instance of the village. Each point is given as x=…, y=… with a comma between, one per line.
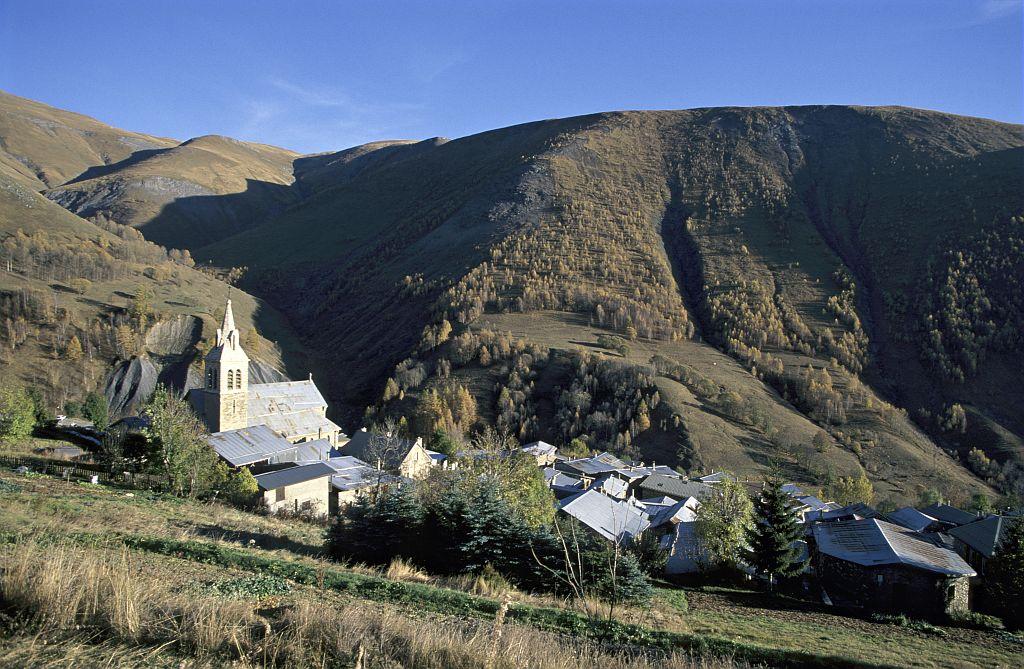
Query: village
x=925, y=563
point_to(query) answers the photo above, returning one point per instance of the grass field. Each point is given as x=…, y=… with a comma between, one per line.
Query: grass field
x=177, y=550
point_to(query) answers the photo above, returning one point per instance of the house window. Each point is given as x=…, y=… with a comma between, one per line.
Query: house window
x=279, y=495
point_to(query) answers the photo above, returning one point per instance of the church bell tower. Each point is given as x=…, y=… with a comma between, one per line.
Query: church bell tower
x=227, y=379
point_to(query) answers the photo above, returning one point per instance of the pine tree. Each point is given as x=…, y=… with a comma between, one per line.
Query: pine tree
x=376, y=531
x=1004, y=575
x=770, y=538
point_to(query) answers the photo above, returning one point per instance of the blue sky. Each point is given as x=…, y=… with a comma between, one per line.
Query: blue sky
x=316, y=76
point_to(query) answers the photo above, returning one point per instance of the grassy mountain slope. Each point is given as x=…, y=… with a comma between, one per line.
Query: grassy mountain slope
x=63, y=277
x=44, y=147
x=790, y=238
x=197, y=192
x=791, y=280
x=219, y=573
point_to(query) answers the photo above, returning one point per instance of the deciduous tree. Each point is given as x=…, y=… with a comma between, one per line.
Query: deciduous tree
x=722, y=522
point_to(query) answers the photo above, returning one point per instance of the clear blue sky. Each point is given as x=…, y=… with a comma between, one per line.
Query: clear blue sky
x=316, y=76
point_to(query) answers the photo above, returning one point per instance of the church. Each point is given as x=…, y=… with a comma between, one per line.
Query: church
x=294, y=410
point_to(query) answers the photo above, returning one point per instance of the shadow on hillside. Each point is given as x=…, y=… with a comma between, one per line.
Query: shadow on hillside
x=754, y=599
x=261, y=540
x=103, y=170
x=194, y=221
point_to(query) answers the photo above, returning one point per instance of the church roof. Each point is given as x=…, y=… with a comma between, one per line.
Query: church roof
x=291, y=408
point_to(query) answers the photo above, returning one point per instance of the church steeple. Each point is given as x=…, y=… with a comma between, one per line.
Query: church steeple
x=228, y=333
x=227, y=378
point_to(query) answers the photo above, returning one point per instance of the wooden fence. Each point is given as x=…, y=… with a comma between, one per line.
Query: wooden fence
x=78, y=471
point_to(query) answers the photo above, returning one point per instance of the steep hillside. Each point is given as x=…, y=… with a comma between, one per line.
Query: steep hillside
x=43, y=147
x=823, y=289
x=192, y=194
x=811, y=244
x=85, y=308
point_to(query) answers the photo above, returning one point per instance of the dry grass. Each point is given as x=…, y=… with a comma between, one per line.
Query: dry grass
x=402, y=570
x=78, y=598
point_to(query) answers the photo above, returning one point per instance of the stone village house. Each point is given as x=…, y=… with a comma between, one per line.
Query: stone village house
x=876, y=564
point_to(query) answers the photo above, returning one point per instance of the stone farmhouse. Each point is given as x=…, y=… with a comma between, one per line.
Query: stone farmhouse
x=873, y=563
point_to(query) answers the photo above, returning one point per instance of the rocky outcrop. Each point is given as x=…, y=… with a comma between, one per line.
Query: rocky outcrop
x=130, y=384
x=169, y=350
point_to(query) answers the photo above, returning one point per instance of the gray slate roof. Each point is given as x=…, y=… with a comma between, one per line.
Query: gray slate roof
x=871, y=542
x=249, y=444
x=614, y=520
x=850, y=511
x=910, y=518
x=660, y=484
x=984, y=535
x=362, y=446
x=949, y=514
x=293, y=475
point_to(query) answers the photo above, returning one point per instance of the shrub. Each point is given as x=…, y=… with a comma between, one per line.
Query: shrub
x=975, y=621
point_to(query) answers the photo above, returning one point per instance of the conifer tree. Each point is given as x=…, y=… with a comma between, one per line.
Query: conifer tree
x=770, y=538
x=1004, y=575
x=377, y=530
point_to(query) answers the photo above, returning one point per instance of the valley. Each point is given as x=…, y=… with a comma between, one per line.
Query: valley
x=852, y=271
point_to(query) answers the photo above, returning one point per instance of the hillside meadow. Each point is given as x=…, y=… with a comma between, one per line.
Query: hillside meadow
x=94, y=571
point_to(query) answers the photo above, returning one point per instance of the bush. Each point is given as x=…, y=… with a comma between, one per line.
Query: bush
x=975, y=621
x=901, y=620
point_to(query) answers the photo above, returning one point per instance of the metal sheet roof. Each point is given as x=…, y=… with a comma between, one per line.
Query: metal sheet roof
x=354, y=474
x=872, y=542
x=717, y=477
x=292, y=408
x=684, y=511
x=611, y=485
x=293, y=475
x=248, y=445
x=539, y=448
x=851, y=511
x=313, y=451
x=612, y=519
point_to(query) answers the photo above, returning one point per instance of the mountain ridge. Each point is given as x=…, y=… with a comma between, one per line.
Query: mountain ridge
x=810, y=245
